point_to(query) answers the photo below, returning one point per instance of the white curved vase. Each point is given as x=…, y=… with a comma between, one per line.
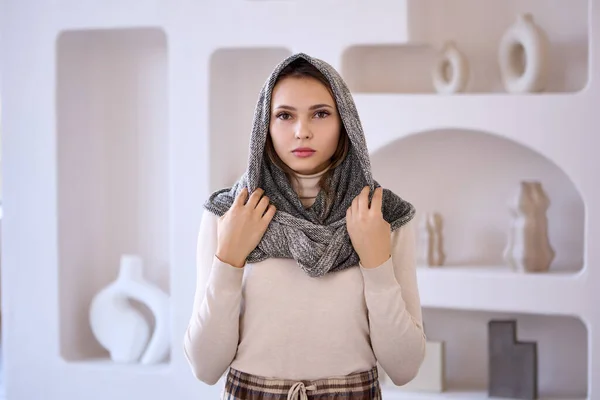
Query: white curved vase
x=523, y=56
x=120, y=328
x=450, y=73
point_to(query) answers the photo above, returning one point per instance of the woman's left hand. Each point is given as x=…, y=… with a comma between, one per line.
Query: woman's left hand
x=369, y=232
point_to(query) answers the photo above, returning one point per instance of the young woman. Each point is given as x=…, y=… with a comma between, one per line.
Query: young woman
x=306, y=274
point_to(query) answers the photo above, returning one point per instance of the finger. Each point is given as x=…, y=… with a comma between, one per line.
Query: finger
x=262, y=205
x=377, y=200
x=255, y=198
x=363, y=200
x=269, y=214
x=241, y=197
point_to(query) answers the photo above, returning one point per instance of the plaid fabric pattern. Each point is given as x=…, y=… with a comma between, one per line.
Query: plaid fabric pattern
x=359, y=386
x=315, y=237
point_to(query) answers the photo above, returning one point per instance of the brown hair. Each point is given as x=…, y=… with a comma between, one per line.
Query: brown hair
x=301, y=68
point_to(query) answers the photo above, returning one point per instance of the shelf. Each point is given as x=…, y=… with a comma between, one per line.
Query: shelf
x=113, y=170
x=476, y=27
x=536, y=121
x=390, y=393
x=469, y=178
x=562, y=345
x=403, y=64
x=500, y=289
x=106, y=364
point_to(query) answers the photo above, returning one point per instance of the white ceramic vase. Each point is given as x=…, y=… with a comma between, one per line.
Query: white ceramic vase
x=431, y=240
x=450, y=72
x=123, y=330
x=528, y=247
x=523, y=56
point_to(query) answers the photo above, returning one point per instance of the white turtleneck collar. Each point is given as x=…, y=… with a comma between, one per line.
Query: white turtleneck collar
x=307, y=186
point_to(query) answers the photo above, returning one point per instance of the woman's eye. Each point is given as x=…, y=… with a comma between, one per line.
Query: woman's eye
x=283, y=116
x=322, y=114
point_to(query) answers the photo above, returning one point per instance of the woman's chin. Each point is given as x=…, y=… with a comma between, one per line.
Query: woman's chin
x=307, y=167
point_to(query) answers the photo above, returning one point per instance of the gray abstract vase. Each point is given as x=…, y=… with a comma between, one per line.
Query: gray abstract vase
x=513, y=371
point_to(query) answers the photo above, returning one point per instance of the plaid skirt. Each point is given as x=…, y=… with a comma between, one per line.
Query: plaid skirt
x=358, y=386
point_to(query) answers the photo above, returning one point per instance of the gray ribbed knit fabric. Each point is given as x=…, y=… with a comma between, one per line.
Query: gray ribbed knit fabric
x=315, y=237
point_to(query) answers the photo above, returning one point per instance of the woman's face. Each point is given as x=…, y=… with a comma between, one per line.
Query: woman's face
x=305, y=125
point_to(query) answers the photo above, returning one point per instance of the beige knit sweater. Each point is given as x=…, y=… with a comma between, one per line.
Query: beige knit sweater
x=271, y=319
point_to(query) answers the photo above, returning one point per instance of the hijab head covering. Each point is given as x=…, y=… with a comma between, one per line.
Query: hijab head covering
x=316, y=237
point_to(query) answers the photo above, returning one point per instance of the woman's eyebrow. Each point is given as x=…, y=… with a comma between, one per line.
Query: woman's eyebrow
x=314, y=107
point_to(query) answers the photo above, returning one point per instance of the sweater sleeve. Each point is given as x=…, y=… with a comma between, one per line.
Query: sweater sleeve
x=211, y=338
x=394, y=306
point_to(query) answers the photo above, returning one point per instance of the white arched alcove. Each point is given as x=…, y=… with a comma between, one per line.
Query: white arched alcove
x=469, y=177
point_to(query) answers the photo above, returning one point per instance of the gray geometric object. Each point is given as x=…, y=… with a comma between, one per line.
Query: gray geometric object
x=513, y=371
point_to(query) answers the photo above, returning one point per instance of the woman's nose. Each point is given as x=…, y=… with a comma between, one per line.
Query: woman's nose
x=303, y=131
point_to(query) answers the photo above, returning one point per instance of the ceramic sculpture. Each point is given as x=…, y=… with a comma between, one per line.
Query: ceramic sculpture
x=523, y=56
x=431, y=241
x=528, y=247
x=512, y=366
x=451, y=70
x=120, y=328
x=431, y=376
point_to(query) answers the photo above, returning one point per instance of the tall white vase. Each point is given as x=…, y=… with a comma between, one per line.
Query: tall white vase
x=528, y=247
x=120, y=328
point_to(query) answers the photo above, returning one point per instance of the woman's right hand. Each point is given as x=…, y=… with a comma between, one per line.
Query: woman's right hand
x=242, y=227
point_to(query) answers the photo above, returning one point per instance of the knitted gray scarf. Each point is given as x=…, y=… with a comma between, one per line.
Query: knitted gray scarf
x=315, y=237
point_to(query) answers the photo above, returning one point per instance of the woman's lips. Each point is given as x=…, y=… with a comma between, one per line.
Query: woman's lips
x=303, y=153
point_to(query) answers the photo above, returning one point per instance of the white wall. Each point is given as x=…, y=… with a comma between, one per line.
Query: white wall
x=199, y=66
